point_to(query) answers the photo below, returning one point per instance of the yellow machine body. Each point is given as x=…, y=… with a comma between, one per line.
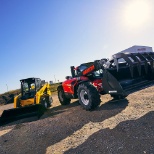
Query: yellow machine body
x=34, y=98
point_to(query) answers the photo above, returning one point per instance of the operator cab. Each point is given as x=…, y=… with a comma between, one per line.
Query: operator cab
x=29, y=87
x=95, y=74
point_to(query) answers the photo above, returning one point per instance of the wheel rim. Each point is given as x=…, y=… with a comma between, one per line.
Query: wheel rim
x=84, y=97
x=50, y=100
x=45, y=104
x=61, y=95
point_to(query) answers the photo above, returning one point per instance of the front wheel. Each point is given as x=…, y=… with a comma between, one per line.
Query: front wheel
x=62, y=98
x=18, y=103
x=88, y=95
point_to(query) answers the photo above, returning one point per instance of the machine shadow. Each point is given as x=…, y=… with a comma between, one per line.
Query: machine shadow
x=131, y=136
x=110, y=105
x=68, y=119
x=58, y=110
x=53, y=111
x=48, y=113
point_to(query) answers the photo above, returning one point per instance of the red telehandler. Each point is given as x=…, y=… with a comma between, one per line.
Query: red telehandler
x=124, y=73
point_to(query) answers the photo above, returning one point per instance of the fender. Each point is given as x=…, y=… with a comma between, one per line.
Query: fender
x=67, y=94
x=16, y=100
x=77, y=85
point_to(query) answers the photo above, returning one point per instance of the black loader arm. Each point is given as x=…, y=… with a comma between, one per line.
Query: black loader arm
x=96, y=65
x=126, y=73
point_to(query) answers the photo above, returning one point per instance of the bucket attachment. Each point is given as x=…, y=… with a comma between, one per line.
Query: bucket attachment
x=20, y=113
x=128, y=72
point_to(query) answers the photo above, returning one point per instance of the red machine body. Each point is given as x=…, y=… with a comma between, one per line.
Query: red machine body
x=69, y=85
x=85, y=83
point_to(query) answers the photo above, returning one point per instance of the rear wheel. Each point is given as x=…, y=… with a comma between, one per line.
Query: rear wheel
x=89, y=97
x=62, y=98
x=44, y=102
x=50, y=101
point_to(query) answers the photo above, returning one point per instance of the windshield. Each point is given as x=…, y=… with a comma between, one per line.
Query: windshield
x=28, y=87
x=97, y=73
x=80, y=69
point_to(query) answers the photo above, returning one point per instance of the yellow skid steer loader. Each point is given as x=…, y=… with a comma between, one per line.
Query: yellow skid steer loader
x=34, y=98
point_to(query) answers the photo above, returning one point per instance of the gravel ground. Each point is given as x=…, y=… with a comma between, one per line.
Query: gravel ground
x=124, y=126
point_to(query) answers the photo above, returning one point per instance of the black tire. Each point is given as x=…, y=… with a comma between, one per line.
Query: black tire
x=18, y=103
x=50, y=101
x=62, y=98
x=44, y=102
x=88, y=95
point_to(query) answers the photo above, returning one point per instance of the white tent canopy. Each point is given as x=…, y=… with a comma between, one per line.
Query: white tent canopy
x=136, y=49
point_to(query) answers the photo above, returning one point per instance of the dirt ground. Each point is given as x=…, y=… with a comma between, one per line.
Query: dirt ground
x=124, y=126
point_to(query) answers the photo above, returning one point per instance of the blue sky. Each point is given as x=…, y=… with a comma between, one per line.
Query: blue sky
x=44, y=38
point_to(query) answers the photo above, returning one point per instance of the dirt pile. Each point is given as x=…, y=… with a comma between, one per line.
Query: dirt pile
x=8, y=97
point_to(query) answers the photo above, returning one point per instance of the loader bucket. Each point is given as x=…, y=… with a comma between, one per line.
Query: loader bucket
x=20, y=113
x=128, y=72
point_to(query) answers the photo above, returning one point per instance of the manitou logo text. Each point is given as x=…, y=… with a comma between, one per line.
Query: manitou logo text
x=141, y=49
x=88, y=70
